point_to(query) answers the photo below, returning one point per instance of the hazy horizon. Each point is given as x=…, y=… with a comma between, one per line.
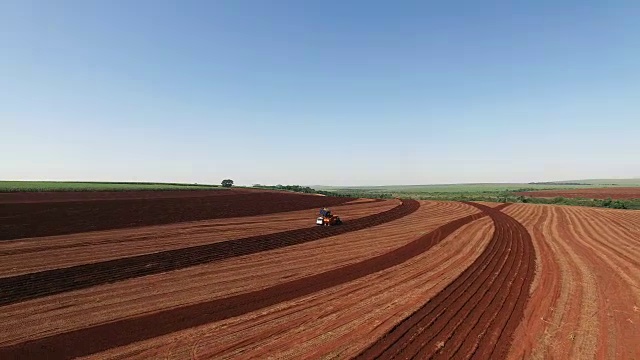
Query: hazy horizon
x=623, y=180
x=331, y=93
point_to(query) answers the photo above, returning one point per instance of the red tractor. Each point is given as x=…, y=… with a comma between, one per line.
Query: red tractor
x=327, y=219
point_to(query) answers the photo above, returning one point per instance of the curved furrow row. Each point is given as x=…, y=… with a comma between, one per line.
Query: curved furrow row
x=549, y=290
x=41, y=254
x=460, y=291
x=475, y=316
x=621, y=247
x=585, y=304
x=190, y=228
x=67, y=311
x=345, y=316
x=604, y=327
x=448, y=205
x=45, y=283
x=628, y=225
x=28, y=220
x=363, y=201
x=126, y=331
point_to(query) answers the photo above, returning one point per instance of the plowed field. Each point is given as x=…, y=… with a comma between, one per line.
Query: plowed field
x=585, y=301
x=37, y=216
x=399, y=279
x=599, y=193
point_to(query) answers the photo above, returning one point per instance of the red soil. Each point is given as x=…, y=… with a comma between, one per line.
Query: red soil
x=39, y=218
x=585, y=302
x=30, y=255
x=90, y=340
x=594, y=193
x=34, y=285
x=476, y=315
x=440, y=280
x=64, y=196
x=97, y=305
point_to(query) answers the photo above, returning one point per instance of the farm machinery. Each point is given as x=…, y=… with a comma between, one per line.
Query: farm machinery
x=327, y=219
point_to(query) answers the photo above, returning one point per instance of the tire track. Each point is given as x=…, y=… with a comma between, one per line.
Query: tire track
x=98, y=338
x=34, y=285
x=476, y=315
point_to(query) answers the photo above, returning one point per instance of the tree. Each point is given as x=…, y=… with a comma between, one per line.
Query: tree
x=227, y=183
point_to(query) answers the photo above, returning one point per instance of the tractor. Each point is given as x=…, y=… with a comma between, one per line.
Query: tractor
x=327, y=219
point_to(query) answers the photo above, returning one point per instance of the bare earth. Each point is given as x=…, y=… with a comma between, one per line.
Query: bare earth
x=586, y=298
x=400, y=279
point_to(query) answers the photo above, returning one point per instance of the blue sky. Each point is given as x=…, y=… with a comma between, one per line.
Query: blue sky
x=319, y=92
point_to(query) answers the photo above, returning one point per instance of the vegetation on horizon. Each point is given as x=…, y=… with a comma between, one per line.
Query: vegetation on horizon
x=309, y=190
x=464, y=192
x=485, y=187
x=492, y=193
x=495, y=192
x=510, y=197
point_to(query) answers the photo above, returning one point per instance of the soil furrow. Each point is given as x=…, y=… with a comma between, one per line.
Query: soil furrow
x=27, y=220
x=406, y=330
x=422, y=335
x=64, y=251
x=34, y=285
x=119, y=333
x=469, y=317
x=431, y=313
x=593, y=311
x=500, y=315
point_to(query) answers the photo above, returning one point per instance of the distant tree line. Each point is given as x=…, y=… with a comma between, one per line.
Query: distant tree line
x=556, y=183
x=294, y=188
x=491, y=196
x=309, y=190
x=509, y=197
